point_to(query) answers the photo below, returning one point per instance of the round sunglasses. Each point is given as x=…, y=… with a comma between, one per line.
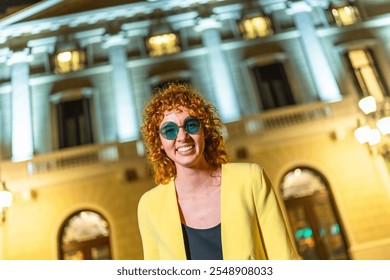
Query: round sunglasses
x=170, y=130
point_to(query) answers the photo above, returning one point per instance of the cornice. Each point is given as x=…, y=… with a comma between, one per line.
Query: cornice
x=21, y=15
x=173, y=11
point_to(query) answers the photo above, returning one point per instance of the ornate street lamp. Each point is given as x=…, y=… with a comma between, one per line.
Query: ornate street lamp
x=376, y=122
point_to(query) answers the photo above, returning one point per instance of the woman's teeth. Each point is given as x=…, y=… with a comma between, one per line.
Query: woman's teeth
x=184, y=149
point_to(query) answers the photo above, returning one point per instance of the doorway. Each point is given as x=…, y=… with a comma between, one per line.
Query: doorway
x=85, y=236
x=314, y=221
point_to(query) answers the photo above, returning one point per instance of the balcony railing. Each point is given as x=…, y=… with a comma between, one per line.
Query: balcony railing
x=279, y=118
x=95, y=156
x=72, y=158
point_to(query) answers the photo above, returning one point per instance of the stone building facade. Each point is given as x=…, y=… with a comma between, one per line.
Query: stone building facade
x=286, y=77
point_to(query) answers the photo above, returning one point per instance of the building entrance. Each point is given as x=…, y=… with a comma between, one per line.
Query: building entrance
x=313, y=217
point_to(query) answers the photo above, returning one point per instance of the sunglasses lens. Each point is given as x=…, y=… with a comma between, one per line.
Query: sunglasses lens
x=169, y=130
x=192, y=125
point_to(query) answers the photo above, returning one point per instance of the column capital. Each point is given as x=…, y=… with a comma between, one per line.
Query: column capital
x=19, y=56
x=319, y=3
x=298, y=7
x=42, y=45
x=4, y=54
x=115, y=40
x=207, y=23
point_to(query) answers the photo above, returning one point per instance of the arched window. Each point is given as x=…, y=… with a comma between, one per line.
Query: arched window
x=85, y=236
x=312, y=215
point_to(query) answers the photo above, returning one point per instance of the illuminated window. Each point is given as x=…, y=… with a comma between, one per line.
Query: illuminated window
x=255, y=27
x=85, y=236
x=69, y=61
x=345, y=15
x=366, y=73
x=163, y=44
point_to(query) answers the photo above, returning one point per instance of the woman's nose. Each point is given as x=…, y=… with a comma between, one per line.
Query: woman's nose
x=182, y=134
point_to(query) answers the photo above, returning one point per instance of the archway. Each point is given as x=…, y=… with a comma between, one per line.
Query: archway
x=85, y=236
x=312, y=215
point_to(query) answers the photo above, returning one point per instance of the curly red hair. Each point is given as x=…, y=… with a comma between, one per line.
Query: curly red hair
x=171, y=97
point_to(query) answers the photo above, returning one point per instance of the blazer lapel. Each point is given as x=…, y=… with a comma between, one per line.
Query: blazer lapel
x=171, y=223
x=227, y=227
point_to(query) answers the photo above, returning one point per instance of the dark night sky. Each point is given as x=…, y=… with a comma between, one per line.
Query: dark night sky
x=4, y=4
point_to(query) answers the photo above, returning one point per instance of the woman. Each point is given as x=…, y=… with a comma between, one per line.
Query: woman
x=203, y=206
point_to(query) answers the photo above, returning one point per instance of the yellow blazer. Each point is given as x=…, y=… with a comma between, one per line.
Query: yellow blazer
x=252, y=226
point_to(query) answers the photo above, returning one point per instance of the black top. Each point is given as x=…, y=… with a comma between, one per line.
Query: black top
x=203, y=244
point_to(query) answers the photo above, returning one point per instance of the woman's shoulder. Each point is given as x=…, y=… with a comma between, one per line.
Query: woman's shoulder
x=242, y=172
x=155, y=194
x=243, y=167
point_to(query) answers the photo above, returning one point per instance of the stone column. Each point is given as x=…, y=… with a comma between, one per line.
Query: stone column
x=225, y=95
x=322, y=74
x=125, y=108
x=22, y=134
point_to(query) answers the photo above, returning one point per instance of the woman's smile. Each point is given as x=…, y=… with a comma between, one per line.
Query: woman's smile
x=184, y=149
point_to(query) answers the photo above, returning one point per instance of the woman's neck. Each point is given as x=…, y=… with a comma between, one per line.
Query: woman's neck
x=195, y=179
x=199, y=197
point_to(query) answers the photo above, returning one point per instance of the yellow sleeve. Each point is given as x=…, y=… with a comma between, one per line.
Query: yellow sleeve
x=277, y=241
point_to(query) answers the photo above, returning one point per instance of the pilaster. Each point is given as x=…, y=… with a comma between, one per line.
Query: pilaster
x=324, y=79
x=22, y=136
x=125, y=107
x=224, y=92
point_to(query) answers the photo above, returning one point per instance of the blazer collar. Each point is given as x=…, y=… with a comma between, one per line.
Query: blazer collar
x=227, y=228
x=172, y=223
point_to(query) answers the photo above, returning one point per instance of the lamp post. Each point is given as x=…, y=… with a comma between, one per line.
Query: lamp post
x=375, y=124
x=373, y=130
